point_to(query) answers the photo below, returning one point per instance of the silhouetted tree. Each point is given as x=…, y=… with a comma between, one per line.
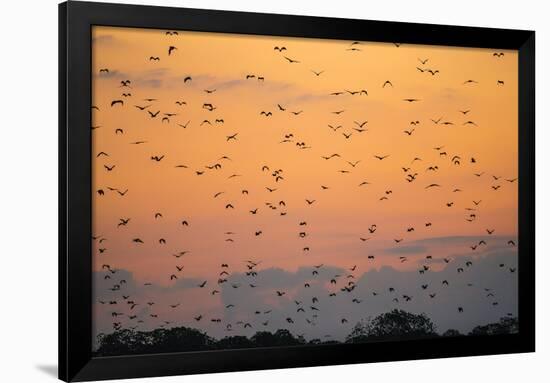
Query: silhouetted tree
x=506, y=325
x=452, y=332
x=393, y=325
x=281, y=337
x=238, y=341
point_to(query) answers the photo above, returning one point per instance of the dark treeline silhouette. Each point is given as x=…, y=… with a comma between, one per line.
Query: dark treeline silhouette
x=393, y=325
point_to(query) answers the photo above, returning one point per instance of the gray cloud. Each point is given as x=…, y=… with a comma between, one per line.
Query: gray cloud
x=475, y=289
x=129, y=286
x=413, y=249
x=103, y=39
x=466, y=290
x=183, y=283
x=112, y=74
x=149, y=83
x=457, y=239
x=153, y=78
x=233, y=83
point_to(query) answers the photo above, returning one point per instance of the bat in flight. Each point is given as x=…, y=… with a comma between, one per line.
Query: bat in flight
x=291, y=61
x=432, y=186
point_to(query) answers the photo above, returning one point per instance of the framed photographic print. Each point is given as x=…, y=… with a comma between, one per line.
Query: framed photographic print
x=327, y=191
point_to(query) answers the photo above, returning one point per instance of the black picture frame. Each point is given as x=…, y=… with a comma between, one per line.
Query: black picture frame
x=75, y=258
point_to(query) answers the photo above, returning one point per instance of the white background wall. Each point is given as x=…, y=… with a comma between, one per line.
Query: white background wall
x=28, y=188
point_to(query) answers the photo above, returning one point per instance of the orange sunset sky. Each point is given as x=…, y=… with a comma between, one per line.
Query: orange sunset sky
x=459, y=134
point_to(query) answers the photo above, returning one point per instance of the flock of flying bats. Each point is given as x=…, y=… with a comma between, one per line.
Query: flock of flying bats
x=125, y=307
